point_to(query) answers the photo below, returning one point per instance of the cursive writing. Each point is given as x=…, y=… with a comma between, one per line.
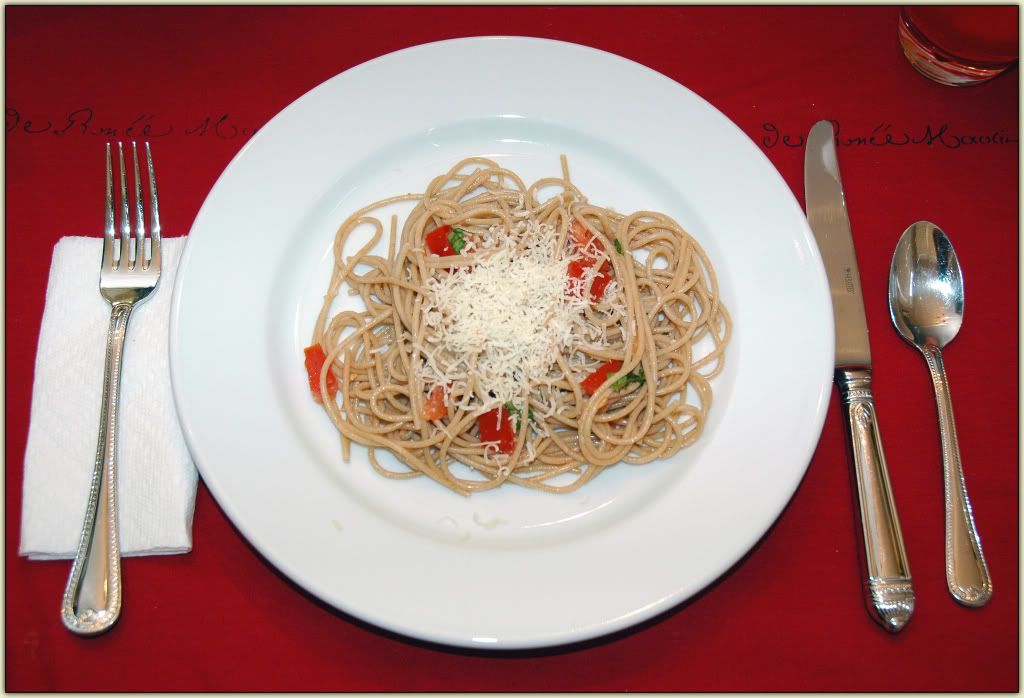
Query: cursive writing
x=885, y=135
x=84, y=121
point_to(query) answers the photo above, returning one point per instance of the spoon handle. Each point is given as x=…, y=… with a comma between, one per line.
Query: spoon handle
x=966, y=570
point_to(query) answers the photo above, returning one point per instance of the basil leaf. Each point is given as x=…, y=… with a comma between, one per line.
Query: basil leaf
x=518, y=413
x=631, y=377
x=457, y=239
x=618, y=246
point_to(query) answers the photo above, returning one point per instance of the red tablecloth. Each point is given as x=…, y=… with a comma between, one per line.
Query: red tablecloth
x=789, y=617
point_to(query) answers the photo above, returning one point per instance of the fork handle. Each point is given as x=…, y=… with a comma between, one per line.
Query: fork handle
x=92, y=598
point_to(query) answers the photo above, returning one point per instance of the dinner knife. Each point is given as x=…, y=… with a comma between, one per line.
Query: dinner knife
x=889, y=590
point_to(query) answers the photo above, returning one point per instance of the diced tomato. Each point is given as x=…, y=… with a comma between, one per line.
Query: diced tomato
x=595, y=380
x=315, y=359
x=435, y=407
x=439, y=243
x=599, y=283
x=496, y=425
x=588, y=244
x=578, y=269
x=583, y=238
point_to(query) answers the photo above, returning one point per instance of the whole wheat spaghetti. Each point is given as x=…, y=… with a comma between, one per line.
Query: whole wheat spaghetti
x=517, y=333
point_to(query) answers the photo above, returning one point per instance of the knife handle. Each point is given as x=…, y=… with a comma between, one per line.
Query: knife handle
x=889, y=589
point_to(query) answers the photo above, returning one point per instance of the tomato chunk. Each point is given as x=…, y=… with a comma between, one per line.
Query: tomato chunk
x=589, y=244
x=315, y=359
x=595, y=380
x=435, y=407
x=578, y=270
x=438, y=242
x=584, y=239
x=496, y=425
x=446, y=241
x=600, y=283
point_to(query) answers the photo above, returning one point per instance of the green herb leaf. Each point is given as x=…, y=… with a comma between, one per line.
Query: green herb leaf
x=631, y=377
x=457, y=239
x=618, y=246
x=518, y=413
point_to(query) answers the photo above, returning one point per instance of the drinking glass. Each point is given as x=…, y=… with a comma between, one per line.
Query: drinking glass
x=960, y=44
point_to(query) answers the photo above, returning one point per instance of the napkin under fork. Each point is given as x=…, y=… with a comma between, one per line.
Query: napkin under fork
x=157, y=479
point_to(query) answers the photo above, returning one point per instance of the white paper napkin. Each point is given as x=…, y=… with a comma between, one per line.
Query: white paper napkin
x=156, y=485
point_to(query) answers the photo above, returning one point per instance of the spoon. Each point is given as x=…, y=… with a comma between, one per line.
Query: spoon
x=926, y=302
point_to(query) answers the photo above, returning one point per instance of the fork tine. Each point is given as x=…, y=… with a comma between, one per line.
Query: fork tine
x=108, y=228
x=154, y=212
x=126, y=231
x=140, y=232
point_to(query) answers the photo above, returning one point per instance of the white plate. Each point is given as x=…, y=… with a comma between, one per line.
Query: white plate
x=512, y=568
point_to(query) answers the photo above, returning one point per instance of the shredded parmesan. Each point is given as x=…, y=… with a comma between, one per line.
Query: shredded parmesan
x=500, y=323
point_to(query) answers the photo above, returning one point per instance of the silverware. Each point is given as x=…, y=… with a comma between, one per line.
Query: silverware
x=926, y=302
x=889, y=588
x=92, y=598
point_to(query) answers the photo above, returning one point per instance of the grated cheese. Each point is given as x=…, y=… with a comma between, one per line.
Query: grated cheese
x=501, y=323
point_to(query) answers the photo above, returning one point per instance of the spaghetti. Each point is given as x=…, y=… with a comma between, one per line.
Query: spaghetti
x=517, y=333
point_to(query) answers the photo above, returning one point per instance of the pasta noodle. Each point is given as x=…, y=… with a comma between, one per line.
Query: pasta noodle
x=517, y=333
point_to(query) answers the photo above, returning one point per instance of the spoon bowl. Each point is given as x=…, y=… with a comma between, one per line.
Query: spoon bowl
x=926, y=302
x=926, y=287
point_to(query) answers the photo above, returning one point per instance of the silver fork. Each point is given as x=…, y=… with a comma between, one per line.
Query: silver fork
x=129, y=271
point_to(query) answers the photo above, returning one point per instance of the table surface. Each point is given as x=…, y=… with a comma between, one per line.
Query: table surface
x=788, y=617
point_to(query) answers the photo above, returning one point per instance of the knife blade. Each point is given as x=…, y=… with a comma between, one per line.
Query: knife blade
x=888, y=586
